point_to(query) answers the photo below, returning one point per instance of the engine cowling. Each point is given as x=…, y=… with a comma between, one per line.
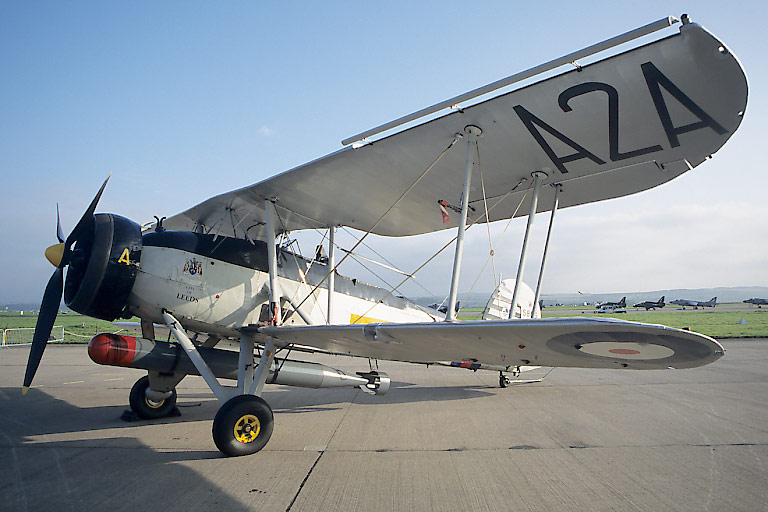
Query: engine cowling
x=103, y=267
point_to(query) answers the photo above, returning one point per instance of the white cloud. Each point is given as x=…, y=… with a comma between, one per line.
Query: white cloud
x=597, y=249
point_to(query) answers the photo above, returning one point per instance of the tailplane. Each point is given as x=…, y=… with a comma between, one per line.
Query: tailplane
x=500, y=301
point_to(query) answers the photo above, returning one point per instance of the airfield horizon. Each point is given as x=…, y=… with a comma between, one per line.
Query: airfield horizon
x=720, y=322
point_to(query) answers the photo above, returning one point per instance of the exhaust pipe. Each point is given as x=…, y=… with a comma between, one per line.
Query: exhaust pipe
x=161, y=356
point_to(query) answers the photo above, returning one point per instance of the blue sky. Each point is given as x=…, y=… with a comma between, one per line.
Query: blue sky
x=184, y=100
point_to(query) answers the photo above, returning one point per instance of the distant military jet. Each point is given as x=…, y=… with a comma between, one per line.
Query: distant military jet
x=649, y=304
x=757, y=302
x=695, y=303
x=621, y=304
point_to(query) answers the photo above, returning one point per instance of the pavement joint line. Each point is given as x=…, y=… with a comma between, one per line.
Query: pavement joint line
x=43, y=445
x=527, y=447
x=303, y=482
x=301, y=486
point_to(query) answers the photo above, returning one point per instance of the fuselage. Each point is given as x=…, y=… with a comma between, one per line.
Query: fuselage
x=218, y=285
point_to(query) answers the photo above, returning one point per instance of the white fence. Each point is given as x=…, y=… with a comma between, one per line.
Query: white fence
x=23, y=336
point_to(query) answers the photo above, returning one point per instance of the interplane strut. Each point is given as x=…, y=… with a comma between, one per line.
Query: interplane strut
x=473, y=133
x=537, y=177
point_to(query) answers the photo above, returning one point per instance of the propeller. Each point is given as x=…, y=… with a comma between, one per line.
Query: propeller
x=60, y=255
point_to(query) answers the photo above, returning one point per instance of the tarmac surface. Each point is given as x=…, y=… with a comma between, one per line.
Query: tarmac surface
x=442, y=439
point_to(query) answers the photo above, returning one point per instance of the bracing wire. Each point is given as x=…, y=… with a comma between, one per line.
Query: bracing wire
x=456, y=139
x=389, y=262
x=302, y=276
x=472, y=223
x=487, y=224
x=493, y=248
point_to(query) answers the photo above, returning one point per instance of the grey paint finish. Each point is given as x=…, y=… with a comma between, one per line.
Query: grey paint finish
x=356, y=186
x=544, y=342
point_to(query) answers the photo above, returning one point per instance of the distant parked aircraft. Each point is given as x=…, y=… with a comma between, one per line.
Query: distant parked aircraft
x=757, y=302
x=649, y=304
x=695, y=303
x=621, y=304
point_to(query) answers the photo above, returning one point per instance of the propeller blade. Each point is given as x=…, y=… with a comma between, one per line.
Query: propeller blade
x=86, y=218
x=59, y=231
x=48, y=311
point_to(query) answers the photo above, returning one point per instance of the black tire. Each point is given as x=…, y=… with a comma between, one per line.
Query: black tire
x=235, y=423
x=503, y=381
x=145, y=408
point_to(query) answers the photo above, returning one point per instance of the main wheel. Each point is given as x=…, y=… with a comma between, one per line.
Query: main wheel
x=503, y=380
x=149, y=409
x=243, y=425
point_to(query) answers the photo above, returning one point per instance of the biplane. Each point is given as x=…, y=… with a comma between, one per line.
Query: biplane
x=562, y=134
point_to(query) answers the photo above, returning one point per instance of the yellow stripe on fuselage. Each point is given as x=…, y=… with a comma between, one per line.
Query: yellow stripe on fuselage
x=357, y=319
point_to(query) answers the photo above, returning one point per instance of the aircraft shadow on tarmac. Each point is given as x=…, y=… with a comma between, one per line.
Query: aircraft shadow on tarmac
x=41, y=414
x=119, y=471
x=104, y=473
x=294, y=401
x=283, y=399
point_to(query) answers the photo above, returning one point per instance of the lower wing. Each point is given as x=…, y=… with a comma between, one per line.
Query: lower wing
x=565, y=342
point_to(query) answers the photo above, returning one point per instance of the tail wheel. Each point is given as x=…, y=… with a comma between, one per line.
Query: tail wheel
x=242, y=426
x=149, y=409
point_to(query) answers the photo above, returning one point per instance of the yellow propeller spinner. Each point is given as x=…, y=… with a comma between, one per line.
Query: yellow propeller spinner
x=54, y=254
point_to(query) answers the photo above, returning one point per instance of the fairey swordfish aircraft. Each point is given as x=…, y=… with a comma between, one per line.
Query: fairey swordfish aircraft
x=619, y=124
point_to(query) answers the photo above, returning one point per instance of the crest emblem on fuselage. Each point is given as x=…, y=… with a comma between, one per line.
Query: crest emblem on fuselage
x=193, y=267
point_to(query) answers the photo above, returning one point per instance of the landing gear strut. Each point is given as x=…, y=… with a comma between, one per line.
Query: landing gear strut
x=243, y=425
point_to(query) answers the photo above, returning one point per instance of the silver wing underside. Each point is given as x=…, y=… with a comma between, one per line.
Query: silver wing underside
x=564, y=342
x=616, y=127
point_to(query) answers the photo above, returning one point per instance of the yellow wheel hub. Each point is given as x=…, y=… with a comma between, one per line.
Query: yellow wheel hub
x=247, y=428
x=152, y=404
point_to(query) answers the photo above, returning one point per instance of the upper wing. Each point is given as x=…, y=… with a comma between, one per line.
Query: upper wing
x=612, y=128
x=573, y=342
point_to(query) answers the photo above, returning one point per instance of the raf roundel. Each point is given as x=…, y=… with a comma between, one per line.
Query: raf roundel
x=627, y=350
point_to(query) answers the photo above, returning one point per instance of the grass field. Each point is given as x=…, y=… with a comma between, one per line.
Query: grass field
x=718, y=324
x=77, y=328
